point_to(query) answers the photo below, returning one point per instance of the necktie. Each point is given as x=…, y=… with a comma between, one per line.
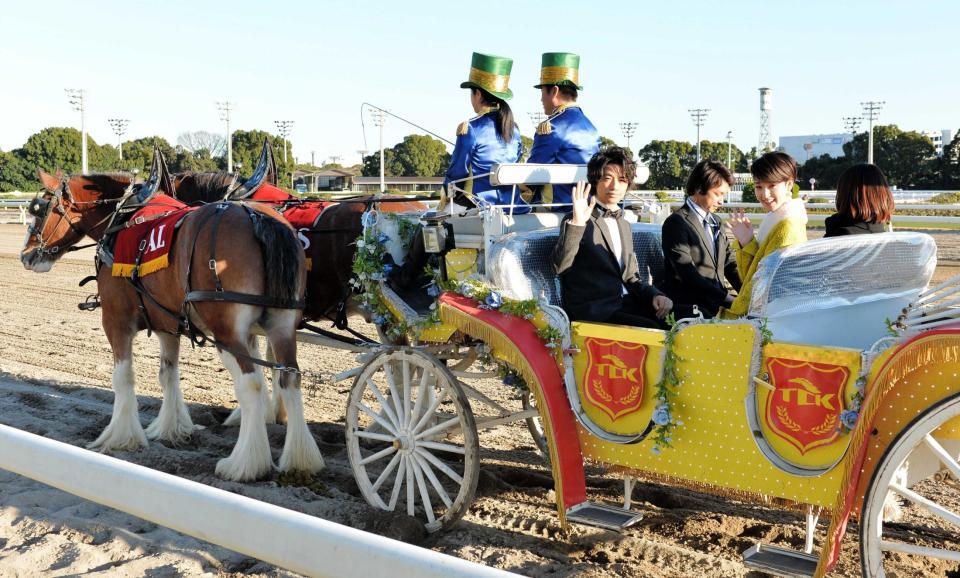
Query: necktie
x=712, y=239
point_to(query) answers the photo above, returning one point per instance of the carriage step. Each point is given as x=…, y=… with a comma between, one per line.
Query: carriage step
x=603, y=516
x=780, y=561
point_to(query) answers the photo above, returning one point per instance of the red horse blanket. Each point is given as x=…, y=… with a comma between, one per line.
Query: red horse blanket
x=301, y=216
x=148, y=236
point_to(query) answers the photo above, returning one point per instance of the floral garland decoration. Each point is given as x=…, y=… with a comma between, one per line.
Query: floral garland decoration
x=368, y=270
x=849, y=416
x=667, y=389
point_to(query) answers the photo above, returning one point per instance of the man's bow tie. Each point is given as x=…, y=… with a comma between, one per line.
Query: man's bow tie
x=605, y=213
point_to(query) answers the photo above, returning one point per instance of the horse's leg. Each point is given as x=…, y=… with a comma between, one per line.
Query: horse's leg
x=300, y=451
x=173, y=423
x=124, y=431
x=270, y=414
x=250, y=458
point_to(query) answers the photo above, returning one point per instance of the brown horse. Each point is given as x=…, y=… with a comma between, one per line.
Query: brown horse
x=330, y=245
x=253, y=252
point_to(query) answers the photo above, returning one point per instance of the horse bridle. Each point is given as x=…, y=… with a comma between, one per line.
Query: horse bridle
x=41, y=208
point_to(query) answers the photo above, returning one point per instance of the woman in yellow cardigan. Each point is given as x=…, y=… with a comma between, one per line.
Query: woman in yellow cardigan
x=784, y=224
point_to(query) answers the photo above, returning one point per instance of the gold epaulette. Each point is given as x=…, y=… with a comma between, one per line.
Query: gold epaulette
x=463, y=128
x=544, y=127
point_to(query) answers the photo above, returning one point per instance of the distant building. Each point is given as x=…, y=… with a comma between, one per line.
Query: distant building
x=940, y=138
x=326, y=180
x=401, y=184
x=810, y=146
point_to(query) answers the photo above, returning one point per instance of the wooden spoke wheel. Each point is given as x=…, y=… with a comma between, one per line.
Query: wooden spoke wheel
x=412, y=439
x=930, y=518
x=535, y=426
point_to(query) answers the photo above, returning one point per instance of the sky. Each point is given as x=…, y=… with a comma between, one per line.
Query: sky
x=164, y=65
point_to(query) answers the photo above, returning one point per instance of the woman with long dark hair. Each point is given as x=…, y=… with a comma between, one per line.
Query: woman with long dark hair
x=492, y=137
x=864, y=202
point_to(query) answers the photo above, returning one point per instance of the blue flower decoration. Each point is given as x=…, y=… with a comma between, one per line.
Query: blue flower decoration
x=656, y=450
x=387, y=269
x=493, y=300
x=433, y=290
x=383, y=238
x=661, y=415
x=368, y=219
x=509, y=379
x=380, y=320
x=849, y=419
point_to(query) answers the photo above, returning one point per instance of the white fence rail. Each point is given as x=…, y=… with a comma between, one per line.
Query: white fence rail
x=288, y=539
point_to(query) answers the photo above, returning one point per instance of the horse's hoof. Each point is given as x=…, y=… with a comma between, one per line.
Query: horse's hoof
x=231, y=469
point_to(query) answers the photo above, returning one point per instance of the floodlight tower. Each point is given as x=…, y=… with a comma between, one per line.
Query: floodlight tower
x=628, y=128
x=76, y=96
x=765, y=144
x=225, y=106
x=871, y=110
x=699, y=116
x=284, y=127
x=379, y=119
x=119, y=126
x=536, y=118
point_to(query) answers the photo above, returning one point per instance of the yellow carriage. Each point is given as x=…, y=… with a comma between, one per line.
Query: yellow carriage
x=837, y=394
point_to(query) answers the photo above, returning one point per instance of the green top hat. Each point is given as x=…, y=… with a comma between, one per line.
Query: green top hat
x=560, y=69
x=490, y=73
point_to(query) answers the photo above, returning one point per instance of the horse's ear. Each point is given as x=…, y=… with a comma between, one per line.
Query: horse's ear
x=49, y=182
x=164, y=178
x=267, y=159
x=58, y=174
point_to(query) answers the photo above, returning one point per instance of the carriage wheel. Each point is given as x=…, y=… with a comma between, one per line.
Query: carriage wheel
x=422, y=455
x=932, y=533
x=535, y=425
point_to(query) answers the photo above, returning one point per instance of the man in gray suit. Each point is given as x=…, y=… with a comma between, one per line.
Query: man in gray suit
x=594, y=256
x=699, y=264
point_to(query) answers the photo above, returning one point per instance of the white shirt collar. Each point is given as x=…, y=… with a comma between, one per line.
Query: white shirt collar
x=701, y=214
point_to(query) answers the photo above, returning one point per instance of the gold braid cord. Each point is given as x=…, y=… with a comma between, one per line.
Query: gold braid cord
x=925, y=351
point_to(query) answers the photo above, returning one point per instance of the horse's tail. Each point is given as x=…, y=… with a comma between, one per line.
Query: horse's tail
x=282, y=254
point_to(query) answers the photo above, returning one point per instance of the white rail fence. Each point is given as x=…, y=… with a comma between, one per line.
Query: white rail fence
x=288, y=539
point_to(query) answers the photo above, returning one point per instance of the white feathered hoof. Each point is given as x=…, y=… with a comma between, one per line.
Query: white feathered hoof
x=892, y=510
x=120, y=438
x=300, y=451
x=176, y=433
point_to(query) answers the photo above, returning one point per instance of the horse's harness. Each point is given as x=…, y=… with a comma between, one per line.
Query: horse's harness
x=41, y=209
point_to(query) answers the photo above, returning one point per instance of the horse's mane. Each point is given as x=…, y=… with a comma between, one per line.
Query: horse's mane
x=205, y=187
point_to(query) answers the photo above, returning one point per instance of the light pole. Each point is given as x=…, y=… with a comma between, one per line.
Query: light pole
x=536, y=118
x=225, y=106
x=379, y=118
x=699, y=116
x=628, y=128
x=284, y=127
x=76, y=97
x=851, y=124
x=363, y=154
x=119, y=126
x=729, y=147
x=871, y=110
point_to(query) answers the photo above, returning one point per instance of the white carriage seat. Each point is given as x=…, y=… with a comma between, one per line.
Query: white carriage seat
x=521, y=267
x=840, y=291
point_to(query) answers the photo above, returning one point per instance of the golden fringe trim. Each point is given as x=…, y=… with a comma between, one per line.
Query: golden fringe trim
x=703, y=487
x=925, y=351
x=544, y=127
x=463, y=128
x=506, y=350
x=151, y=266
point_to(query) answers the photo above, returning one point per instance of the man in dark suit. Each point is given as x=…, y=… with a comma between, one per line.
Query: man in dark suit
x=699, y=265
x=594, y=255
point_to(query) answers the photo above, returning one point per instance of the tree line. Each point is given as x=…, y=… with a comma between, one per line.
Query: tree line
x=58, y=148
x=908, y=158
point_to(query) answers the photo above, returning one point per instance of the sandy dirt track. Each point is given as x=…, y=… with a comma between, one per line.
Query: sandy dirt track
x=55, y=368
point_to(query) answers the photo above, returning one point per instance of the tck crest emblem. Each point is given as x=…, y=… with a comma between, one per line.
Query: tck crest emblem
x=614, y=377
x=804, y=408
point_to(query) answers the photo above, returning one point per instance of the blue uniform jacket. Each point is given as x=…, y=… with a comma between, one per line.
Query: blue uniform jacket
x=567, y=137
x=478, y=148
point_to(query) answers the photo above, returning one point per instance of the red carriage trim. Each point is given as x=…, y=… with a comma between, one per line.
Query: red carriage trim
x=153, y=226
x=517, y=339
x=897, y=366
